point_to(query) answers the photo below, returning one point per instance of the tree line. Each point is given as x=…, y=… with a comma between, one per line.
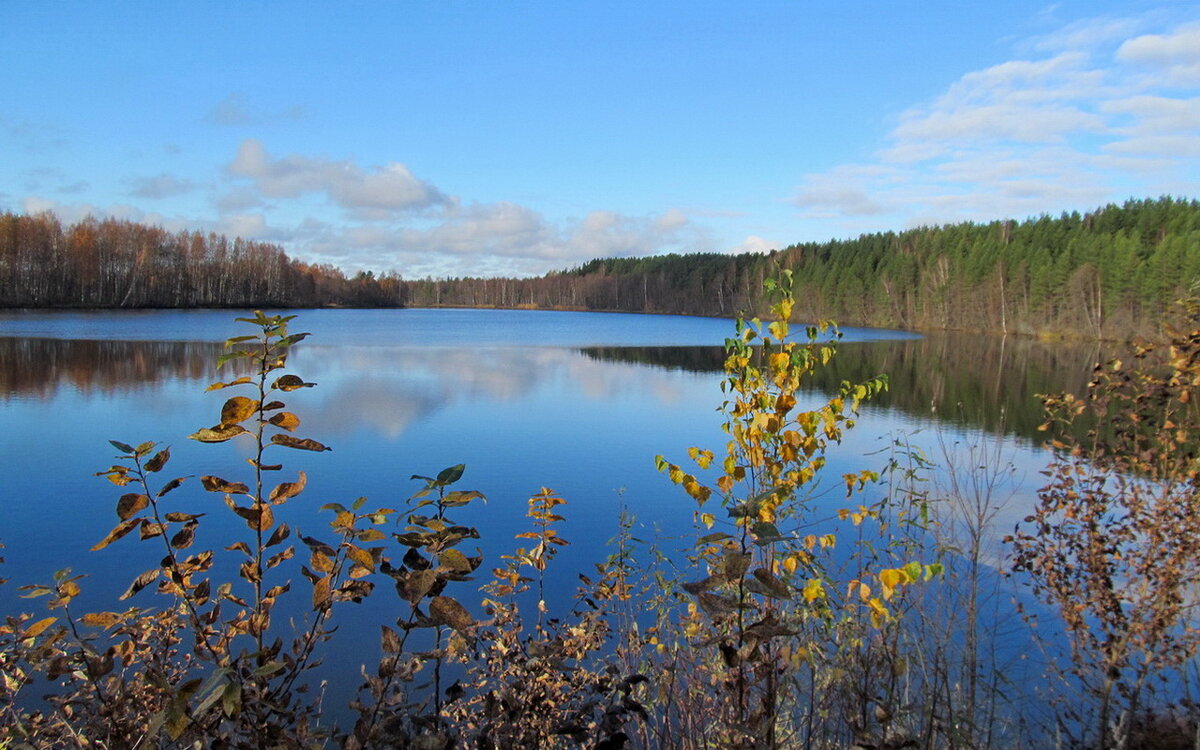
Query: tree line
x=112, y=263
x=1107, y=274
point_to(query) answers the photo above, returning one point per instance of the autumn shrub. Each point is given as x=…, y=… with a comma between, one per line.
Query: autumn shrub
x=778, y=642
x=1113, y=543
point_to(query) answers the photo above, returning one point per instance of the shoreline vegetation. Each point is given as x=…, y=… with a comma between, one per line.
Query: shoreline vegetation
x=1110, y=274
x=784, y=623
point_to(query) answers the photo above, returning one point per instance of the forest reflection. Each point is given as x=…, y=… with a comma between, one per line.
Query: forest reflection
x=984, y=382
x=987, y=382
x=40, y=367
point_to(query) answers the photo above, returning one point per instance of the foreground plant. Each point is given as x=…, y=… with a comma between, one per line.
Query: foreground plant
x=1113, y=543
x=211, y=665
x=769, y=608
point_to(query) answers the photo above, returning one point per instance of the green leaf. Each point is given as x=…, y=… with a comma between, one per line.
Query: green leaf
x=231, y=699
x=451, y=474
x=123, y=447
x=766, y=533
x=230, y=356
x=268, y=669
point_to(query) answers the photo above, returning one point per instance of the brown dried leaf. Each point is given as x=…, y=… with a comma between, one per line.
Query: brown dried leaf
x=285, y=420
x=305, y=444
x=282, y=531
x=217, y=484
x=217, y=386
x=131, y=504
x=159, y=460
x=446, y=611
x=101, y=619
x=360, y=556
x=237, y=409
x=287, y=554
x=218, y=434
x=118, y=531
x=287, y=490
x=290, y=383
x=170, y=486
x=184, y=537
x=391, y=641
x=417, y=584
x=772, y=586
x=139, y=583
x=322, y=595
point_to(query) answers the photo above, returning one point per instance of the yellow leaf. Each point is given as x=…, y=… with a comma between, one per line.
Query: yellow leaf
x=813, y=590
x=38, y=627
x=790, y=564
x=707, y=519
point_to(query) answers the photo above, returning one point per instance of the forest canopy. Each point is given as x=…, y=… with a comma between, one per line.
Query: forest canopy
x=1110, y=273
x=106, y=263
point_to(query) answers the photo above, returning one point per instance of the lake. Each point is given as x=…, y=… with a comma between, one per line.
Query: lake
x=577, y=402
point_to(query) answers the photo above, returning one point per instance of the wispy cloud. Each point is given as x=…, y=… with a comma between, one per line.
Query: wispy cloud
x=159, y=186
x=235, y=110
x=1094, y=112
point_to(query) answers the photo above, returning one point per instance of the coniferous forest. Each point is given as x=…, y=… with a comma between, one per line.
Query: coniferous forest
x=1109, y=274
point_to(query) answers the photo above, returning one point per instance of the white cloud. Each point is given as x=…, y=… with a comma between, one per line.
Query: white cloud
x=375, y=194
x=249, y=226
x=1087, y=34
x=1174, y=56
x=1082, y=125
x=754, y=244
x=239, y=199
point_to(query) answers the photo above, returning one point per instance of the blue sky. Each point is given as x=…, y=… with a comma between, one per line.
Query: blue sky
x=514, y=138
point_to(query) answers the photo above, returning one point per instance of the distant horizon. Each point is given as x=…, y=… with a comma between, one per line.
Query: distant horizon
x=382, y=272
x=516, y=140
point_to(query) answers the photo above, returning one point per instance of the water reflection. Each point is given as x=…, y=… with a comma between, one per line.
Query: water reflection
x=39, y=367
x=981, y=382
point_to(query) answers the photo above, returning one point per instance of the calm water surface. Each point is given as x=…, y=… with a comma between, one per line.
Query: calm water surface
x=577, y=402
